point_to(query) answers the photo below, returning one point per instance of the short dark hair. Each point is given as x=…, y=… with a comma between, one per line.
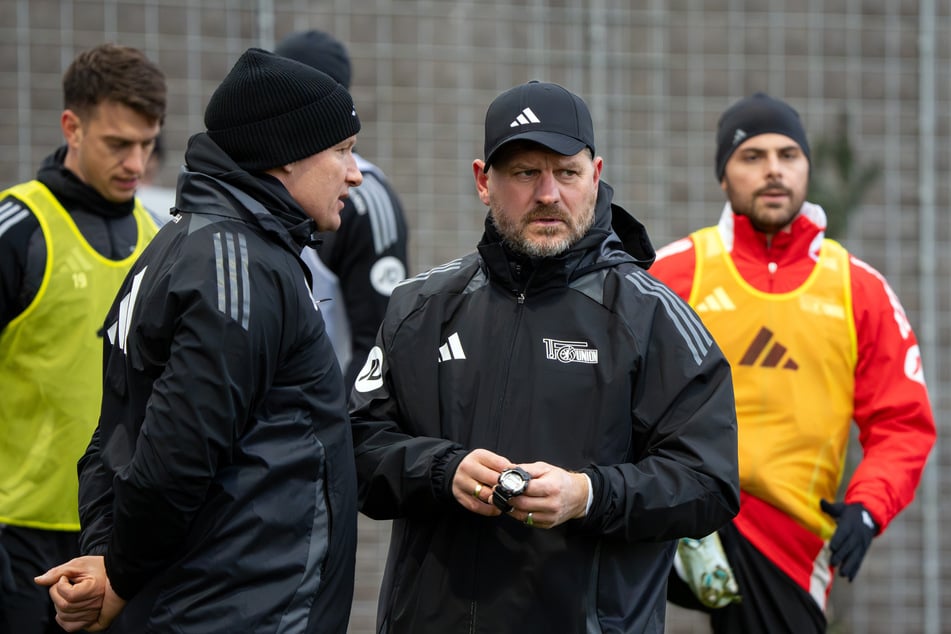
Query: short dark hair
x=111, y=72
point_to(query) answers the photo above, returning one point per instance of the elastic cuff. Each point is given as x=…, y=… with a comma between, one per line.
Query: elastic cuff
x=125, y=589
x=595, y=484
x=444, y=470
x=587, y=506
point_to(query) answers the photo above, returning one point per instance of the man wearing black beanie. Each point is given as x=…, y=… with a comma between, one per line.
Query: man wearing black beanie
x=218, y=492
x=816, y=339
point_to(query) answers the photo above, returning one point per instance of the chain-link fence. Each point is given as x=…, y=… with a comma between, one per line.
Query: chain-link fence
x=872, y=75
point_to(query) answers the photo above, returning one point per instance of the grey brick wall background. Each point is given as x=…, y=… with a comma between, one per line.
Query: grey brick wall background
x=656, y=75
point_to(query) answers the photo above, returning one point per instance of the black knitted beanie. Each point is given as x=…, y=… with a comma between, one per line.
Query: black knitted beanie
x=270, y=110
x=750, y=116
x=319, y=50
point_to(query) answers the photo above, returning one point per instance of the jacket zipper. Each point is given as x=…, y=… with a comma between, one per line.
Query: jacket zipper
x=519, y=303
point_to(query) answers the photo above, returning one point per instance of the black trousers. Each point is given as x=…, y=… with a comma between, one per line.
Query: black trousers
x=28, y=609
x=772, y=602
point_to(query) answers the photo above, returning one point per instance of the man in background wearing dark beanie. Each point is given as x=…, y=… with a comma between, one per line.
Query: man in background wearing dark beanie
x=816, y=339
x=357, y=266
x=218, y=492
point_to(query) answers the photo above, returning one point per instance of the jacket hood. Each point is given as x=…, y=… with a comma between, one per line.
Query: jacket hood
x=208, y=171
x=615, y=237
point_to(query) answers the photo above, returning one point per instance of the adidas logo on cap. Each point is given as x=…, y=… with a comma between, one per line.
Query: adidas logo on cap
x=526, y=117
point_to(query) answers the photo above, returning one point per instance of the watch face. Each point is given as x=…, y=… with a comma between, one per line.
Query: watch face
x=512, y=481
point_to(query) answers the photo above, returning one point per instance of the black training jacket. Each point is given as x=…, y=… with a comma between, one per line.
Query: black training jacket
x=220, y=482
x=583, y=361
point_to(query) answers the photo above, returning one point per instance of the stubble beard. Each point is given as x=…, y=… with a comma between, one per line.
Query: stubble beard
x=765, y=217
x=546, y=242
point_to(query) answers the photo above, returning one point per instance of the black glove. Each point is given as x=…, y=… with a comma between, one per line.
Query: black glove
x=852, y=536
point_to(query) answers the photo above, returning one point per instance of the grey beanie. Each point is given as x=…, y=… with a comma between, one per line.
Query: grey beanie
x=319, y=50
x=754, y=115
x=270, y=110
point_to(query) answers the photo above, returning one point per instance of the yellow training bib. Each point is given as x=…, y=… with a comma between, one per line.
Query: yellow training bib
x=51, y=368
x=793, y=357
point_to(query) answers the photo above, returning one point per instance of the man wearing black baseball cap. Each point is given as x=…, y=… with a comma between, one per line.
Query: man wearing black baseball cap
x=541, y=419
x=816, y=339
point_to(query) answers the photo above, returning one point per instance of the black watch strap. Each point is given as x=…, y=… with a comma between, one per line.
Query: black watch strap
x=501, y=500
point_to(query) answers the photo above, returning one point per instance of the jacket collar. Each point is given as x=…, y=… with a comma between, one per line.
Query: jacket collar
x=211, y=183
x=804, y=235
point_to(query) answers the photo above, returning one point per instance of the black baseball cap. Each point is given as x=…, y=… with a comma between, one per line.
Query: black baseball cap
x=541, y=112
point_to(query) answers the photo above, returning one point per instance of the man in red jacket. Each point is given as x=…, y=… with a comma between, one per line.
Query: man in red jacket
x=816, y=338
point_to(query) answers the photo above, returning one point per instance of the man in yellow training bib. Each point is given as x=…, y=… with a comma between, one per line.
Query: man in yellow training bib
x=816, y=339
x=67, y=240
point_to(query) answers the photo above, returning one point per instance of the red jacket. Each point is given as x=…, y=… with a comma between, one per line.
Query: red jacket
x=891, y=406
